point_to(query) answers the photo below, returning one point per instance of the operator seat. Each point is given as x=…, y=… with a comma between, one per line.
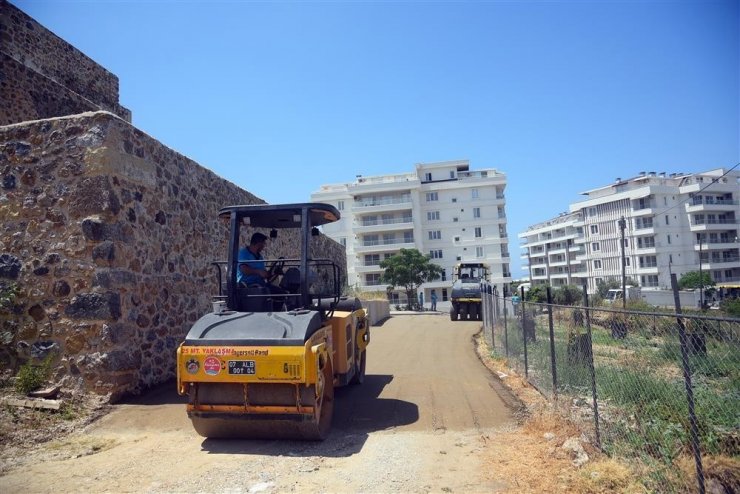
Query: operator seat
x=253, y=298
x=291, y=283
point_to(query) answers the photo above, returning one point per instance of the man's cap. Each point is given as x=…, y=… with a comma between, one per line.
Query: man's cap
x=258, y=238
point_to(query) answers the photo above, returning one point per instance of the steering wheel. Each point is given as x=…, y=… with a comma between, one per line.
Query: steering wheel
x=277, y=268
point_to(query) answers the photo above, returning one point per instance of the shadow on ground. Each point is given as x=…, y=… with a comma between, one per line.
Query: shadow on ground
x=358, y=411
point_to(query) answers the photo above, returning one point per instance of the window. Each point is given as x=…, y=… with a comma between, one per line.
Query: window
x=369, y=220
x=444, y=275
x=592, y=211
x=626, y=261
x=457, y=239
x=432, y=196
x=597, y=263
x=626, y=242
x=476, y=212
x=340, y=205
x=452, y=173
x=435, y=254
x=408, y=237
x=594, y=229
x=435, y=235
x=343, y=241
x=645, y=242
x=648, y=261
x=478, y=232
x=454, y=199
x=370, y=240
x=428, y=177
x=444, y=294
x=641, y=223
x=649, y=280
x=454, y=220
x=432, y=215
x=595, y=247
x=666, y=220
x=372, y=279
x=479, y=252
x=474, y=193
x=668, y=238
x=372, y=259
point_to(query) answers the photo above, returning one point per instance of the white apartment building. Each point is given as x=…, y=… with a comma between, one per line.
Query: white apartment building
x=670, y=222
x=442, y=209
x=552, y=255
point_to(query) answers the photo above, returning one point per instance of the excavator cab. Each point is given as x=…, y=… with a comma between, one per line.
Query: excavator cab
x=264, y=362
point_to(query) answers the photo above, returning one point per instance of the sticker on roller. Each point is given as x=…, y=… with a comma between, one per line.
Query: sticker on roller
x=192, y=366
x=212, y=366
x=240, y=367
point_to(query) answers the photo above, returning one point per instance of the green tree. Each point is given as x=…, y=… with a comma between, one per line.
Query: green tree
x=693, y=280
x=537, y=293
x=568, y=295
x=409, y=269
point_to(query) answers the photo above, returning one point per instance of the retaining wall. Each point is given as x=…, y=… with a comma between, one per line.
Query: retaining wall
x=43, y=76
x=107, y=235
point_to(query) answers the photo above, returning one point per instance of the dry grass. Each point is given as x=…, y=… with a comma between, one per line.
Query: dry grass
x=530, y=459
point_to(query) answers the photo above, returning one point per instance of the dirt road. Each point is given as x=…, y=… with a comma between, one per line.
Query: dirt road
x=424, y=421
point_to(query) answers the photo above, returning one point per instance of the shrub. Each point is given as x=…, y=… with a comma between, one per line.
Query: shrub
x=32, y=376
x=731, y=306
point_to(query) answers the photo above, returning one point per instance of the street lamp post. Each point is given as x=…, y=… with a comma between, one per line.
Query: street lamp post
x=622, y=226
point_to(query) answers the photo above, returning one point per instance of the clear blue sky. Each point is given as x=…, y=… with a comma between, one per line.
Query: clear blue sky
x=562, y=96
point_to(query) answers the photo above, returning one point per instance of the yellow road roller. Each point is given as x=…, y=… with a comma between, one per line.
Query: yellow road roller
x=265, y=361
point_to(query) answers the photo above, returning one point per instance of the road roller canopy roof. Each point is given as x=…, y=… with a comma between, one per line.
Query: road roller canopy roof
x=282, y=215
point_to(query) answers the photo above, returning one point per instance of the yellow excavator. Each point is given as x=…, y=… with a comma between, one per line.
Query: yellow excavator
x=264, y=362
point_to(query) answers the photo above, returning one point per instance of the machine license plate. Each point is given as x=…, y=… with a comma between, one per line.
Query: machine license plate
x=241, y=367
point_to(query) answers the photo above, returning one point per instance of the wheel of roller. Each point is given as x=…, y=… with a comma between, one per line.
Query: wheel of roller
x=359, y=376
x=318, y=429
x=473, y=312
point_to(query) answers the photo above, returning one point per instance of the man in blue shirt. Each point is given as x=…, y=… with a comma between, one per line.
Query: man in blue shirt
x=254, y=271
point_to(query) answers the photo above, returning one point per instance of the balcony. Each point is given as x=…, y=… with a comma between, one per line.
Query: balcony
x=711, y=224
x=649, y=211
x=374, y=286
x=701, y=204
x=384, y=245
x=719, y=262
x=368, y=267
x=383, y=225
x=383, y=204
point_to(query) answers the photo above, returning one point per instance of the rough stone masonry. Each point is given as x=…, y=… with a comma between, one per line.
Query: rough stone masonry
x=106, y=239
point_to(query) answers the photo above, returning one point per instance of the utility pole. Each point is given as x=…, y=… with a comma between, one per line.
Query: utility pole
x=622, y=226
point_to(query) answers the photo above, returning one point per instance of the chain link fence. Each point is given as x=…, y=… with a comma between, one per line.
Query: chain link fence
x=660, y=389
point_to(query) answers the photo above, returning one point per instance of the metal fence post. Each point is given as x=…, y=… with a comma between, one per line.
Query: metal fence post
x=591, y=368
x=492, y=313
x=524, y=334
x=552, y=345
x=506, y=330
x=689, y=389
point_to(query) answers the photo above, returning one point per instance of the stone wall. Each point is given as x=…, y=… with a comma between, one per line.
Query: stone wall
x=43, y=76
x=108, y=235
